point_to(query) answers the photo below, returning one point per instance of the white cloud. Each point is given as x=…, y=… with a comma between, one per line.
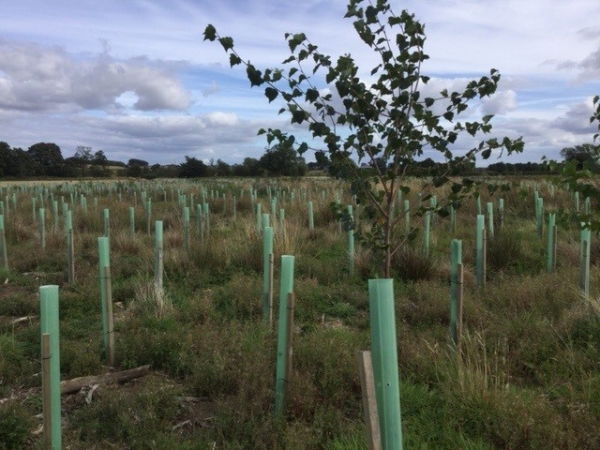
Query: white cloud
x=212, y=89
x=58, y=83
x=34, y=77
x=576, y=119
x=500, y=103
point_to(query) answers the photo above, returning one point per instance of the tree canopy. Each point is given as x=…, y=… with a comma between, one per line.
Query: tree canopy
x=382, y=115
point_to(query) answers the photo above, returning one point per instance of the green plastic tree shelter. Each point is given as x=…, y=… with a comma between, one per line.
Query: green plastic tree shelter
x=584, y=261
x=132, y=221
x=480, y=250
x=455, y=289
x=186, y=227
x=266, y=285
x=452, y=219
x=282, y=220
x=490, y=217
x=158, y=254
x=350, y=237
x=106, y=222
x=148, y=207
x=550, y=242
x=539, y=215
x=385, y=361
x=3, y=249
x=258, y=217
x=106, y=297
x=55, y=218
x=206, y=215
x=587, y=205
x=49, y=325
x=311, y=217
x=70, y=246
x=286, y=287
x=265, y=221
x=426, y=233
x=42, y=227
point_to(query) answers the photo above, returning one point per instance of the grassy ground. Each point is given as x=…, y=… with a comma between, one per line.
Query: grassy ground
x=528, y=377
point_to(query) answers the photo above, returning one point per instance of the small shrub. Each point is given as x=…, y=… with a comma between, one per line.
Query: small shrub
x=15, y=423
x=410, y=263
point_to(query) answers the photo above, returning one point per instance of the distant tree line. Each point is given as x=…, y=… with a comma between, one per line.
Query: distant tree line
x=45, y=160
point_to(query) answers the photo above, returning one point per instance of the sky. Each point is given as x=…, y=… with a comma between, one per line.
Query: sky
x=135, y=78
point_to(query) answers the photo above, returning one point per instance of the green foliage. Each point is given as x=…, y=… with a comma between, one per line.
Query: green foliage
x=13, y=361
x=132, y=418
x=386, y=124
x=15, y=425
x=283, y=160
x=576, y=173
x=527, y=376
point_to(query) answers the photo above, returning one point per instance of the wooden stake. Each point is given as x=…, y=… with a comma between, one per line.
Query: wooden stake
x=459, y=304
x=365, y=369
x=289, y=340
x=70, y=257
x=3, y=249
x=555, y=250
x=46, y=390
x=271, y=287
x=109, y=316
x=484, y=265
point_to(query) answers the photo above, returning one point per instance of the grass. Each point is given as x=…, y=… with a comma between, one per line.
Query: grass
x=527, y=376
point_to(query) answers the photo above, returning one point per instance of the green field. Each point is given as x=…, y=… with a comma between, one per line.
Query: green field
x=527, y=374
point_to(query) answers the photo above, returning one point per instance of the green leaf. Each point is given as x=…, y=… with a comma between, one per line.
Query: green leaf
x=331, y=75
x=226, y=42
x=271, y=93
x=371, y=14
x=298, y=116
x=296, y=40
x=261, y=131
x=429, y=101
x=234, y=60
x=449, y=115
x=210, y=33
x=302, y=148
x=311, y=95
x=254, y=75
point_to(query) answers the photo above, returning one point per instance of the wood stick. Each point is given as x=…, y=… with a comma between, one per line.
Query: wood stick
x=109, y=316
x=46, y=390
x=484, y=263
x=365, y=369
x=555, y=249
x=71, y=257
x=75, y=384
x=459, y=304
x=270, y=298
x=289, y=340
